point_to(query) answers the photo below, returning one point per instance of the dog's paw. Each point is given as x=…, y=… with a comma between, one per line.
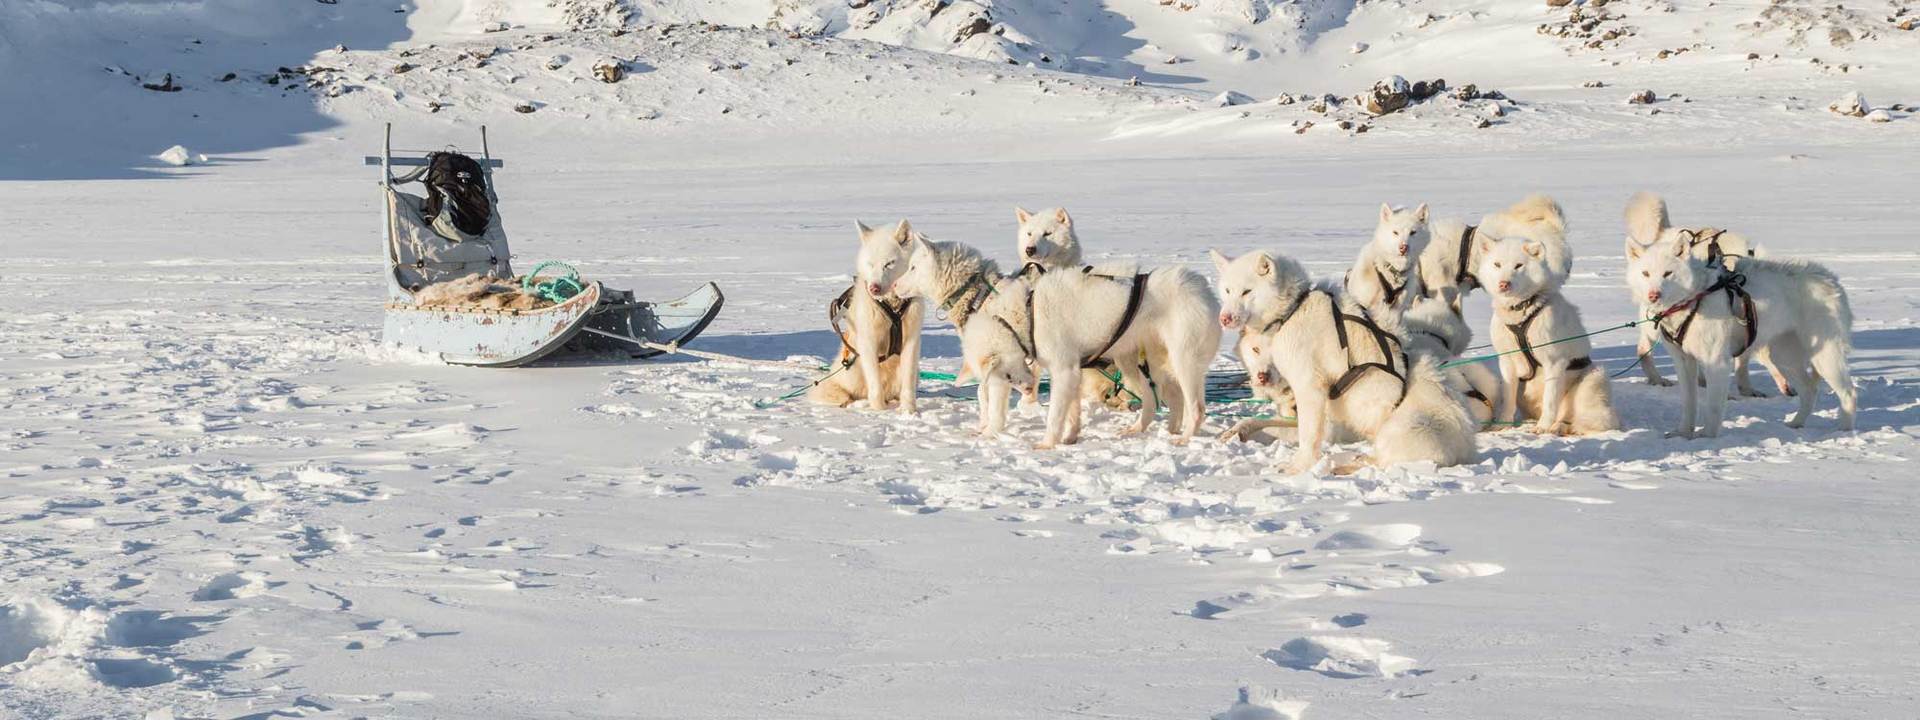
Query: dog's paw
x=1753, y=393
x=1796, y=423
x=1660, y=382
x=909, y=409
x=1680, y=434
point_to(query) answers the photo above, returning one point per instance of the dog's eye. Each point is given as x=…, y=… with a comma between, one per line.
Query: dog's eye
x=1246, y=292
x=1668, y=273
x=1644, y=273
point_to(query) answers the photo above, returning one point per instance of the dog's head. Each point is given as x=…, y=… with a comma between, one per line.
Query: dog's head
x=1047, y=237
x=1663, y=273
x=1252, y=348
x=1255, y=285
x=989, y=351
x=883, y=256
x=1400, y=236
x=921, y=277
x=1514, y=268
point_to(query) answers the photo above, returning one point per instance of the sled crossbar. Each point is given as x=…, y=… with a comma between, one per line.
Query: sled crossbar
x=422, y=162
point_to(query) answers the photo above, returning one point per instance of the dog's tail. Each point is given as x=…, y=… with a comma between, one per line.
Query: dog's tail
x=1431, y=424
x=1824, y=312
x=1646, y=217
x=1535, y=211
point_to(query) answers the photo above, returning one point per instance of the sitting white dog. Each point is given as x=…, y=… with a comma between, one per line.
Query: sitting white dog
x=1549, y=372
x=1348, y=370
x=1711, y=316
x=879, y=358
x=1386, y=275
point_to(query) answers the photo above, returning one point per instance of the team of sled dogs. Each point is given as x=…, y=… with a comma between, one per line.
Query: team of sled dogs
x=1372, y=356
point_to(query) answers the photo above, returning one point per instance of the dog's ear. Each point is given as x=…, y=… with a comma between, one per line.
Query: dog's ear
x=1534, y=248
x=1681, y=249
x=1386, y=212
x=1634, y=249
x=862, y=229
x=921, y=244
x=903, y=233
x=1021, y=214
x=1420, y=213
x=1264, y=265
x=1220, y=260
x=1060, y=216
x=1486, y=244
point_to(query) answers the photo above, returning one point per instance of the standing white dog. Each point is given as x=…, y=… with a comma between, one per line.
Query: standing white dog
x=1448, y=266
x=1710, y=316
x=882, y=339
x=1386, y=275
x=996, y=348
x=1081, y=317
x=961, y=282
x=1549, y=377
x=1349, y=371
x=1647, y=225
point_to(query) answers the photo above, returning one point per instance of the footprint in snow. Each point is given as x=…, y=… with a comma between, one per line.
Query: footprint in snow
x=1341, y=657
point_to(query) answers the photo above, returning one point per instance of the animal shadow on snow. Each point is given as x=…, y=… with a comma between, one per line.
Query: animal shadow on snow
x=1650, y=412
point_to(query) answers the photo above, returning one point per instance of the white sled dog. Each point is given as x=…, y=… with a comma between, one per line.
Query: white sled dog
x=1263, y=383
x=879, y=358
x=961, y=282
x=1081, y=317
x=1557, y=384
x=1452, y=256
x=1349, y=370
x=1386, y=275
x=1647, y=225
x=1047, y=239
x=1435, y=331
x=996, y=350
x=1711, y=316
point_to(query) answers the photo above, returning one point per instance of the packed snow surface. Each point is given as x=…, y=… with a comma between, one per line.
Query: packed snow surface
x=221, y=496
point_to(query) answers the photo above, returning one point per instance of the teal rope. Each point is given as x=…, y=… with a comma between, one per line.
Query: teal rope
x=558, y=289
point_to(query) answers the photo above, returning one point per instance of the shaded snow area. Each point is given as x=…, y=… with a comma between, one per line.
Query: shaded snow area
x=221, y=496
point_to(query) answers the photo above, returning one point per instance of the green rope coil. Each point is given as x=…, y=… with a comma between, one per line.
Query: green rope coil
x=558, y=289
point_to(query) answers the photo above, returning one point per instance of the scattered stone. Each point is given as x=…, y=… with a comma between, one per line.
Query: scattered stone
x=495, y=26
x=558, y=61
x=1344, y=125
x=1388, y=95
x=1133, y=81
x=228, y=77
x=609, y=71
x=1644, y=97
x=1852, y=104
x=180, y=156
x=1840, y=37
x=403, y=68
x=1753, y=56
x=1558, y=3
x=1300, y=127
x=524, y=108
x=1284, y=99
x=165, y=85
x=1910, y=24
x=1359, y=47
x=1594, y=84
x=433, y=106
x=1483, y=124
x=1880, y=116
x=339, y=48
x=1361, y=128
x=1231, y=98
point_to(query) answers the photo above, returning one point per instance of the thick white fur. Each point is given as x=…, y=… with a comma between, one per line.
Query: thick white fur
x=1399, y=238
x=1537, y=217
x=1047, y=238
x=1559, y=400
x=946, y=272
x=1802, y=318
x=1647, y=225
x=992, y=346
x=881, y=260
x=1074, y=315
x=1430, y=424
x=1433, y=330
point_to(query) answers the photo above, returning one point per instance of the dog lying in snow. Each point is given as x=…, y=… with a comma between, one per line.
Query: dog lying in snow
x=1712, y=316
x=1386, y=275
x=1080, y=317
x=1433, y=330
x=1046, y=241
x=1451, y=258
x=879, y=359
x=961, y=282
x=1369, y=385
x=1647, y=225
x=1263, y=381
x=1555, y=384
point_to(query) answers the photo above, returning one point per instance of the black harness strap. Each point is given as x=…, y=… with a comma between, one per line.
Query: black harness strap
x=1519, y=331
x=1355, y=371
x=1444, y=345
x=896, y=314
x=1462, y=275
x=979, y=280
x=1134, y=295
x=1735, y=286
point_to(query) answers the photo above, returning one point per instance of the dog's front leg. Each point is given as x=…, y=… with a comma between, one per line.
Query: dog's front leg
x=1553, y=388
x=1063, y=399
x=1645, y=350
x=983, y=396
x=1719, y=372
x=1685, y=367
x=1311, y=404
x=1510, y=398
x=909, y=373
x=1136, y=382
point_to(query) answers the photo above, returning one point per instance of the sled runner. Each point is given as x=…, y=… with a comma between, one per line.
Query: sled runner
x=453, y=233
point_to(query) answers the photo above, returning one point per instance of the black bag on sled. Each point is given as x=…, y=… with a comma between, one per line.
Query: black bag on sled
x=456, y=196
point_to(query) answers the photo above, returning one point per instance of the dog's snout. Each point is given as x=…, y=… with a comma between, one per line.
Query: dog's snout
x=1032, y=251
x=1653, y=296
x=1226, y=320
x=1264, y=378
x=1403, y=249
x=876, y=289
x=1505, y=286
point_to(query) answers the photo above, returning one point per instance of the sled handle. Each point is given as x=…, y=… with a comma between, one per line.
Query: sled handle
x=422, y=162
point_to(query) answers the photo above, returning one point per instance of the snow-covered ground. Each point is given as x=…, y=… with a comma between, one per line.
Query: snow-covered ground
x=221, y=497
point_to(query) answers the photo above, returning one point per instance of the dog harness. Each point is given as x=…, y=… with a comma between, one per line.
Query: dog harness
x=1462, y=275
x=1444, y=345
x=1393, y=293
x=1355, y=371
x=1735, y=286
x=895, y=313
x=1711, y=236
x=1519, y=330
x=1135, y=295
x=978, y=280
